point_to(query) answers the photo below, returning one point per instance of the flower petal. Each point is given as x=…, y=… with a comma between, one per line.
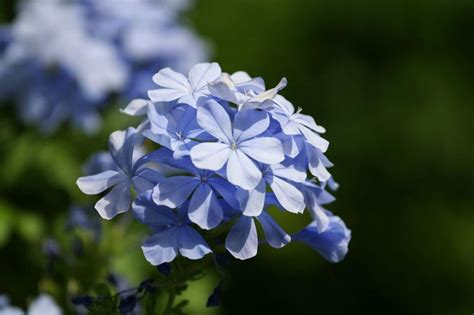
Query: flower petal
x=213, y=118
x=204, y=208
x=288, y=172
x=173, y=85
x=148, y=212
x=225, y=189
x=173, y=191
x=242, y=171
x=122, y=146
x=95, y=184
x=161, y=247
x=191, y=244
x=210, y=156
x=202, y=74
x=242, y=240
x=290, y=197
x=332, y=244
x=265, y=149
x=253, y=201
x=137, y=107
x=116, y=201
x=249, y=124
x=274, y=234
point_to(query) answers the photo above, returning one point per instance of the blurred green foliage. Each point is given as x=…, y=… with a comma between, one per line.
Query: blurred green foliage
x=392, y=83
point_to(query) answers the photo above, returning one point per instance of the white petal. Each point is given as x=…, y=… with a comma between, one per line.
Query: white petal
x=265, y=149
x=213, y=118
x=95, y=184
x=210, y=155
x=202, y=74
x=291, y=198
x=242, y=171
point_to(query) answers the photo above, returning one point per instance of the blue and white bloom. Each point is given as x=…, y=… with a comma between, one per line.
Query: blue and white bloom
x=68, y=73
x=172, y=229
x=227, y=149
x=240, y=144
x=130, y=171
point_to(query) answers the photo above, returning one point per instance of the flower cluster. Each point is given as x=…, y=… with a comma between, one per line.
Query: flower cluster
x=70, y=56
x=227, y=150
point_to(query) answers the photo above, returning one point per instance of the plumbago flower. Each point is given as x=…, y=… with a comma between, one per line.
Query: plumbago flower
x=225, y=151
x=68, y=73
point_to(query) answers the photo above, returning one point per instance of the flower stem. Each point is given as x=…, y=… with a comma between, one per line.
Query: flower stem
x=171, y=298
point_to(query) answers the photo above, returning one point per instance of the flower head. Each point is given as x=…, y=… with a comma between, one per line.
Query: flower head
x=228, y=151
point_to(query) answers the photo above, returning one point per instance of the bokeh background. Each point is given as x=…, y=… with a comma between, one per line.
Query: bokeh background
x=392, y=81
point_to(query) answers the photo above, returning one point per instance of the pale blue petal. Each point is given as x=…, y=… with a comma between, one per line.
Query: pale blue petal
x=145, y=179
x=173, y=85
x=162, y=247
x=136, y=107
x=308, y=121
x=314, y=139
x=210, y=156
x=224, y=91
x=213, y=118
x=274, y=234
x=148, y=212
x=95, y=184
x=242, y=240
x=242, y=171
x=315, y=165
x=122, y=145
x=173, y=191
x=265, y=149
x=116, y=201
x=288, y=172
x=191, y=244
x=204, y=209
x=332, y=244
x=290, y=197
x=202, y=74
x=249, y=124
x=253, y=201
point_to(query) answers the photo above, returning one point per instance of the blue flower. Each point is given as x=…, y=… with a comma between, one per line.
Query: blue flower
x=175, y=129
x=192, y=90
x=242, y=240
x=239, y=144
x=240, y=89
x=281, y=180
x=173, y=233
x=202, y=188
x=130, y=171
x=332, y=243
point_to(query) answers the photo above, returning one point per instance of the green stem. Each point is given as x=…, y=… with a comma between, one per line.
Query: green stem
x=171, y=298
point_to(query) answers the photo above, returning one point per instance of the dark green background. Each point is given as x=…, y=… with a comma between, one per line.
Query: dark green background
x=392, y=82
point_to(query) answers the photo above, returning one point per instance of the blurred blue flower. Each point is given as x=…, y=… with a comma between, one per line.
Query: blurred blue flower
x=68, y=73
x=43, y=305
x=172, y=230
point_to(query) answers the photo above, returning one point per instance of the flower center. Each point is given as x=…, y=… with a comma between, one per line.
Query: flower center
x=234, y=146
x=179, y=135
